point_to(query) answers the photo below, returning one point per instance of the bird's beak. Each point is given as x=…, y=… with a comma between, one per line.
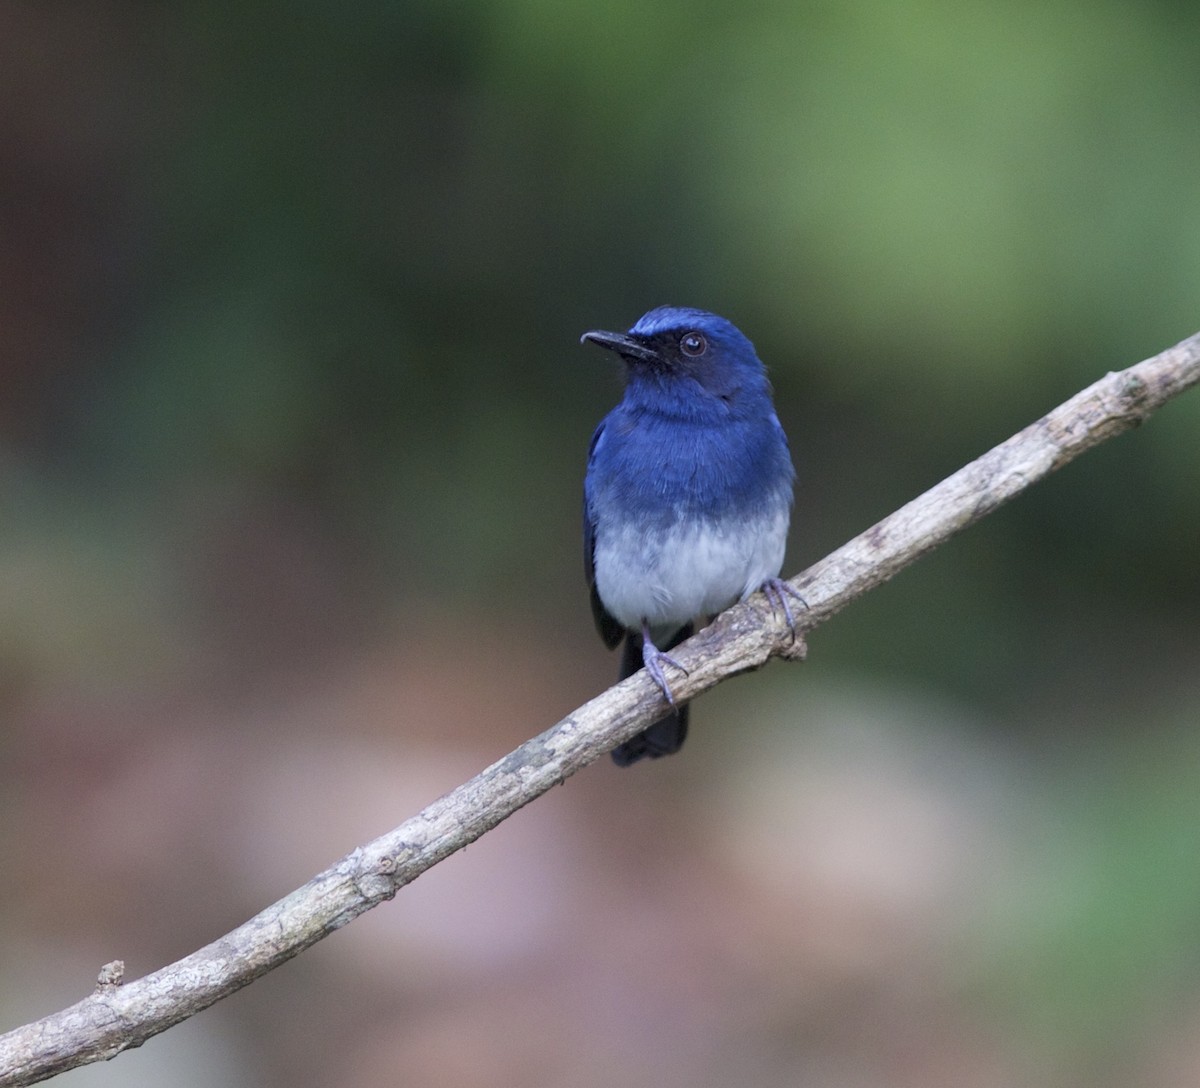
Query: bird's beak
x=626, y=346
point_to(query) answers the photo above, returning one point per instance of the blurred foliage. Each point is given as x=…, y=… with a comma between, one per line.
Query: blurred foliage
x=1091, y=946
x=329, y=265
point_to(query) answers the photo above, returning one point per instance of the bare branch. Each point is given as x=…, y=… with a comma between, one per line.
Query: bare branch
x=120, y=1015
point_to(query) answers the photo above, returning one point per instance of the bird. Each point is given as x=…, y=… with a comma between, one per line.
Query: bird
x=687, y=497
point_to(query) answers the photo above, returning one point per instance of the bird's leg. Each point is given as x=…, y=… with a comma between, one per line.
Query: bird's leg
x=777, y=591
x=653, y=658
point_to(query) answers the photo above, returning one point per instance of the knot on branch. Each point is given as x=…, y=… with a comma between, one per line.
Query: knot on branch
x=1134, y=391
x=795, y=648
x=111, y=976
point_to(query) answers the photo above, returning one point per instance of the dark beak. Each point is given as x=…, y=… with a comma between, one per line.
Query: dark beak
x=628, y=347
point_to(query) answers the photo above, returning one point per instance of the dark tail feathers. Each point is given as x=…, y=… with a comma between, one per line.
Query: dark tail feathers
x=666, y=735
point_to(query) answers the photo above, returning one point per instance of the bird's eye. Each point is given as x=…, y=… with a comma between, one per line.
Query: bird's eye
x=692, y=343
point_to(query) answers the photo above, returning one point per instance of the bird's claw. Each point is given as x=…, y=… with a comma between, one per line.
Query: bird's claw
x=653, y=658
x=777, y=591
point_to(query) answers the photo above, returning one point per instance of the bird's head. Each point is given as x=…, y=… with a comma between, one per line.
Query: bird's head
x=678, y=344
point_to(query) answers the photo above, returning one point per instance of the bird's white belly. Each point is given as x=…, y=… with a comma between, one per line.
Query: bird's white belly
x=670, y=576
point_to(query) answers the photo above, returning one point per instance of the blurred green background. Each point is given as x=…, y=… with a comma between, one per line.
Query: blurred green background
x=292, y=433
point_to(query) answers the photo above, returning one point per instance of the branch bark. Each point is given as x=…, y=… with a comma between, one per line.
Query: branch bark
x=119, y=1015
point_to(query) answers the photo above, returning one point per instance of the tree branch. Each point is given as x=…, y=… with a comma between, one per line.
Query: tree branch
x=117, y=1016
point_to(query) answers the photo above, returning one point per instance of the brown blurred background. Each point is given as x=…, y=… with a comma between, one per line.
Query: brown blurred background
x=293, y=421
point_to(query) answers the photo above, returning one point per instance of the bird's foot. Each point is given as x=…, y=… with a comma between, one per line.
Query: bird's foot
x=653, y=659
x=777, y=591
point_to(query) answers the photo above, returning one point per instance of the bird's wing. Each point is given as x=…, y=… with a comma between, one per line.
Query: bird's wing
x=780, y=431
x=610, y=630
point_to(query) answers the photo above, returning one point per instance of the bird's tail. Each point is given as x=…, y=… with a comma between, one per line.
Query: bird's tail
x=667, y=734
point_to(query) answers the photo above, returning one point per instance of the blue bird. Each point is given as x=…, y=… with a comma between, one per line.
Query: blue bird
x=687, y=497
